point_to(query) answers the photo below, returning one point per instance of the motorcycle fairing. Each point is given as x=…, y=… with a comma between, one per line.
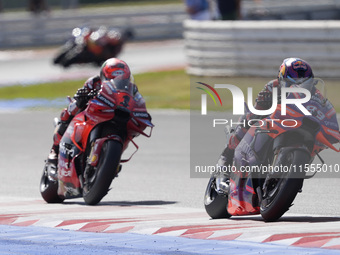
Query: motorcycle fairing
x=97, y=147
x=322, y=119
x=76, y=137
x=68, y=182
x=242, y=196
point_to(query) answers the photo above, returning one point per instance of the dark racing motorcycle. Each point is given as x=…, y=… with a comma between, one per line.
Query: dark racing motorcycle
x=274, y=157
x=87, y=45
x=90, y=151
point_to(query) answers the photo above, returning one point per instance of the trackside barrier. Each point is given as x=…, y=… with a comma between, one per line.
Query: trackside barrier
x=158, y=22
x=257, y=48
x=291, y=9
x=23, y=29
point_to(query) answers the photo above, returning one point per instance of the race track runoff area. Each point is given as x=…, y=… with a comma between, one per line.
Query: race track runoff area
x=116, y=228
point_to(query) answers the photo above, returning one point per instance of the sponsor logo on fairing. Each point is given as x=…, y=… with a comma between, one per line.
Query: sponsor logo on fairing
x=141, y=114
x=105, y=100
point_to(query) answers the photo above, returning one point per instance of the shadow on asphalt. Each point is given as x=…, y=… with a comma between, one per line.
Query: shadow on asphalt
x=299, y=218
x=311, y=219
x=133, y=203
x=127, y=203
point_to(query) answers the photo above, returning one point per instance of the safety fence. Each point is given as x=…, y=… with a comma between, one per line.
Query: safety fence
x=156, y=22
x=257, y=48
x=291, y=9
x=148, y=23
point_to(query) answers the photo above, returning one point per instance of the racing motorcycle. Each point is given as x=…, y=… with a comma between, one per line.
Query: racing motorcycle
x=274, y=157
x=87, y=45
x=90, y=151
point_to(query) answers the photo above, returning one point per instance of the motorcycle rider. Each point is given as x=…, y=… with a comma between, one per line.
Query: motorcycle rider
x=101, y=37
x=111, y=69
x=104, y=43
x=292, y=71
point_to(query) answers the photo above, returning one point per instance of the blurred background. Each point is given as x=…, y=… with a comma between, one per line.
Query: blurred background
x=49, y=22
x=165, y=36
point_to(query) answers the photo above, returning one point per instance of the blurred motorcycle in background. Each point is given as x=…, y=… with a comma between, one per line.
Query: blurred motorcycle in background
x=88, y=45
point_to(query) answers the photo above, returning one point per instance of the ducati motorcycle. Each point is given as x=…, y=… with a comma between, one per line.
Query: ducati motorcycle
x=275, y=157
x=90, y=151
x=91, y=46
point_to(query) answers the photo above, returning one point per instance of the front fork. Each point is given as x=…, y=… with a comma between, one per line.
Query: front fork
x=222, y=181
x=94, y=156
x=281, y=157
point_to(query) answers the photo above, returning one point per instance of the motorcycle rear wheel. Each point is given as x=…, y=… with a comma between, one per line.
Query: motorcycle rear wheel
x=49, y=189
x=99, y=179
x=215, y=204
x=282, y=191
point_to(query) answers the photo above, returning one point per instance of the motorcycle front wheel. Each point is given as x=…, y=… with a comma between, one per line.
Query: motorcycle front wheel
x=97, y=180
x=215, y=204
x=279, y=193
x=63, y=51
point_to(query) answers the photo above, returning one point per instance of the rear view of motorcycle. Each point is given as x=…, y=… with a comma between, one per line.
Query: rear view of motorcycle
x=275, y=156
x=91, y=149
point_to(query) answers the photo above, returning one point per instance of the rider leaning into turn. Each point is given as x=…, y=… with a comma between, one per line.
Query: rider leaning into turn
x=292, y=71
x=111, y=69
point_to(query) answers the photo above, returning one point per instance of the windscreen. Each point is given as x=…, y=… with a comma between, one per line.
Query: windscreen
x=120, y=84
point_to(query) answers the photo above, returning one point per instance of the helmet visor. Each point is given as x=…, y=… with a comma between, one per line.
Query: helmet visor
x=289, y=81
x=120, y=84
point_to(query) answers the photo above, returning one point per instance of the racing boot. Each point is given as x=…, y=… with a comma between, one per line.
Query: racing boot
x=51, y=165
x=61, y=125
x=222, y=177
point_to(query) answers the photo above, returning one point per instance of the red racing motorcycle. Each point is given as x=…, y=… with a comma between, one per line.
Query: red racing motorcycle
x=274, y=157
x=89, y=45
x=90, y=150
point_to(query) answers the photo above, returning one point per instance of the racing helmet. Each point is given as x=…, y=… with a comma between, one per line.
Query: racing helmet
x=114, y=67
x=117, y=73
x=294, y=71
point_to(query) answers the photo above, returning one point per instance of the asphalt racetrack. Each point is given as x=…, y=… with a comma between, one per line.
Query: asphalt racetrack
x=157, y=174
x=154, y=207
x=153, y=195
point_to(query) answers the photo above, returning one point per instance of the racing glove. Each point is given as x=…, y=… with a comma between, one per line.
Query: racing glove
x=83, y=95
x=264, y=99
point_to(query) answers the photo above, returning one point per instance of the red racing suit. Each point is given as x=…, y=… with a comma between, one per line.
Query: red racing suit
x=92, y=85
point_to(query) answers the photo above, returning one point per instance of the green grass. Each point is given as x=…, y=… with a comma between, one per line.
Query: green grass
x=161, y=90
x=165, y=89
x=46, y=90
x=168, y=89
